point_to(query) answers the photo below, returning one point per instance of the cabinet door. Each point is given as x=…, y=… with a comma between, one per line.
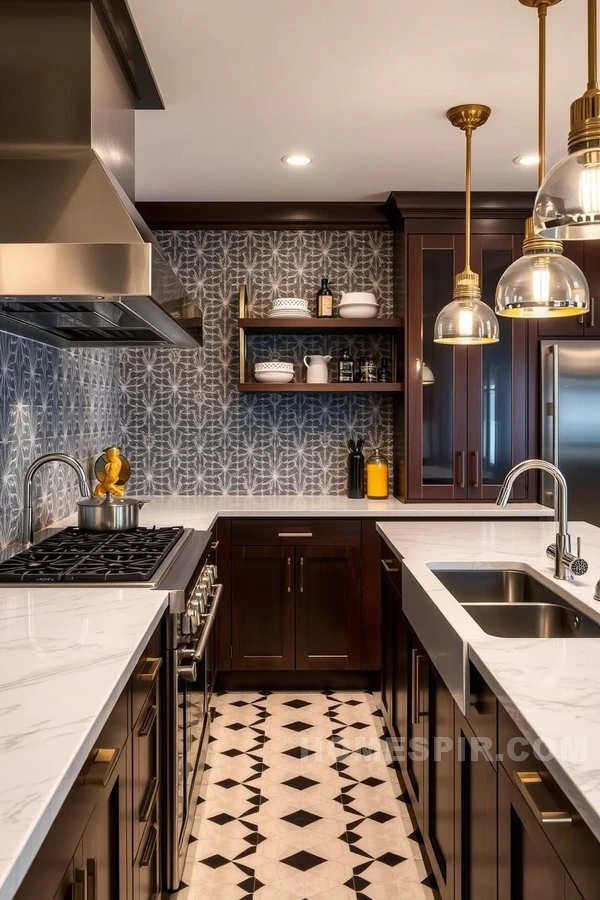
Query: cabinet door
x=498, y=378
x=570, y=326
x=263, y=608
x=476, y=818
x=416, y=725
x=106, y=841
x=388, y=650
x=327, y=607
x=528, y=867
x=440, y=813
x=437, y=412
x=591, y=257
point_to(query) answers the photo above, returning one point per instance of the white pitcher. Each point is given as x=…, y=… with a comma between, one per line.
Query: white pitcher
x=317, y=371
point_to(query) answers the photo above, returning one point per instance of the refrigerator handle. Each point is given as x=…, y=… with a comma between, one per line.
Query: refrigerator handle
x=554, y=350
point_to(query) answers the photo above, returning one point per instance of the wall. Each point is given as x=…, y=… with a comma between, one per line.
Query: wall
x=51, y=400
x=186, y=428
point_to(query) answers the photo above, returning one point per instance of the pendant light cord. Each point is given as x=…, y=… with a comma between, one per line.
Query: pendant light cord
x=542, y=12
x=468, y=137
x=592, y=45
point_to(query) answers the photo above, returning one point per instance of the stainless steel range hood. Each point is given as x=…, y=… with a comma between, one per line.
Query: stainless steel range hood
x=78, y=265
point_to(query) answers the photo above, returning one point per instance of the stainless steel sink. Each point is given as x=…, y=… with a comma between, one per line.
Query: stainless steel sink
x=513, y=604
x=495, y=586
x=532, y=620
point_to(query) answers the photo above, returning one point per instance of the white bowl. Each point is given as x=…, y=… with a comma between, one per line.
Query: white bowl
x=358, y=297
x=274, y=377
x=285, y=302
x=274, y=365
x=289, y=314
x=358, y=310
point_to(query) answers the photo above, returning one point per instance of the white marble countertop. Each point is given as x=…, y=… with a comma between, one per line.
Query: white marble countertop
x=201, y=512
x=65, y=658
x=550, y=687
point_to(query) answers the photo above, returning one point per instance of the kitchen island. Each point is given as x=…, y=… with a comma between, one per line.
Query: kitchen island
x=548, y=689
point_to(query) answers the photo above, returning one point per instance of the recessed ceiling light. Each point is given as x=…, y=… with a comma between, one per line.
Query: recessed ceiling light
x=297, y=159
x=528, y=159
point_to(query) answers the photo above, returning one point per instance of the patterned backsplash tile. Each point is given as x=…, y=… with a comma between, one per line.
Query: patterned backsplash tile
x=51, y=400
x=186, y=428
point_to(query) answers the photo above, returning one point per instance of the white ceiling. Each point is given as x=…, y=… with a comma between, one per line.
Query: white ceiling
x=360, y=85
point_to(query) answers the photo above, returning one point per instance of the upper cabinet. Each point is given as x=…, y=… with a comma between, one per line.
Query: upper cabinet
x=586, y=254
x=467, y=413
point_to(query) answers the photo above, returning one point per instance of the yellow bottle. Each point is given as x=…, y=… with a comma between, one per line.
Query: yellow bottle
x=377, y=476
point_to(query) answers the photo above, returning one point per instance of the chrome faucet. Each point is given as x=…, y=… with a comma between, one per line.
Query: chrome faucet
x=84, y=488
x=566, y=564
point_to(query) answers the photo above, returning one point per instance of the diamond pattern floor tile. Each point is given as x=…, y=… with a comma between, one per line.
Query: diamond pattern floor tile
x=300, y=802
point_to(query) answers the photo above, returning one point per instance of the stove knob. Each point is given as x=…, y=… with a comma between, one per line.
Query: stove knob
x=186, y=625
x=188, y=673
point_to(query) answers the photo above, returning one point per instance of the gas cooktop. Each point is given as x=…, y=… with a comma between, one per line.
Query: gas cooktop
x=85, y=557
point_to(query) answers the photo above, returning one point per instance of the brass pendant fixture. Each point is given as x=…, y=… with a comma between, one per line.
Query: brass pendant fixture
x=567, y=206
x=542, y=283
x=467, y=319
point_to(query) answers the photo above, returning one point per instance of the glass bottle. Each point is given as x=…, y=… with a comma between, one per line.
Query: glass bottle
x=345, y=368
x=324, y=300
x=384, y=375
x=377, y=476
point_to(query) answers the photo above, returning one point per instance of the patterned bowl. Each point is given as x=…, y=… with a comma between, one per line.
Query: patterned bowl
x=274, y=366
x=290, y=302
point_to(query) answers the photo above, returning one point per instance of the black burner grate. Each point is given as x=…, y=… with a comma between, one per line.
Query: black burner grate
x=91, y=557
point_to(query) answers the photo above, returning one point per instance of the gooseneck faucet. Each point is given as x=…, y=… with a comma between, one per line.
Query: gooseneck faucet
x=84, y=488
x=566, y=564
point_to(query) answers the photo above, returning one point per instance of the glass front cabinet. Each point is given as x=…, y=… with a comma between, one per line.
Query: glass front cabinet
x=468, y=408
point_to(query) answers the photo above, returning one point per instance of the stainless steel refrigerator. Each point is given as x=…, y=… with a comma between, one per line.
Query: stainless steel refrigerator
x=570, y=412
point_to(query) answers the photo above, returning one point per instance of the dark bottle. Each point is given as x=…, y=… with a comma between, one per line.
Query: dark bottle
x=384, y=374
x=324, y=301
x=356, y=472
x=345, y=368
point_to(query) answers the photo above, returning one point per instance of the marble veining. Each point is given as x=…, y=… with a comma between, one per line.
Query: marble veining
x=66, y=656
x=551, y=687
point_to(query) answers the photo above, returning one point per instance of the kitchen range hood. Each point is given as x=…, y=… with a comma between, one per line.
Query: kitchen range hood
x=78, y=265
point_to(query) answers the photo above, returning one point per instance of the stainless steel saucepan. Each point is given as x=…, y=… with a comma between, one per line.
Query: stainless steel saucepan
x=109, y=514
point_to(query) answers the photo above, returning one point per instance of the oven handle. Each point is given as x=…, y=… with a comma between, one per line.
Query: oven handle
x=209, y=623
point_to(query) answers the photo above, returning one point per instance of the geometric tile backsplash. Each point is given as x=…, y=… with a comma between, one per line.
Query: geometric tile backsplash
x=51, y=400
x=185, y=427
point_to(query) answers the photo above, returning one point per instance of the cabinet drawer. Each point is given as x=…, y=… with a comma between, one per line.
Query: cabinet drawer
x=146, y=768
x=146, y=673
x=572, y=840
x=482, y=713
x=295, y=531
x=146, y=868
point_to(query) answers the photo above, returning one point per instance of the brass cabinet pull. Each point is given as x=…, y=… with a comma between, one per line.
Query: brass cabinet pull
x=102, y=766
x=149, y=798
x=153, y=664
x=459, y=469
x=592, y=312
x=386, y=565
x=215, y=545
x=92, y=879
x=148, y=722
x=539, y=800
x=475, y=468
x=148, y=852
x=289, y=574
x=295, y=534
x=414, y=683
x=301, y=574
x=79, y=886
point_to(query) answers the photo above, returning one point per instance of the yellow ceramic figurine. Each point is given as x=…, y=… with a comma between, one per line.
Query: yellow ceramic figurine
x=110, y=479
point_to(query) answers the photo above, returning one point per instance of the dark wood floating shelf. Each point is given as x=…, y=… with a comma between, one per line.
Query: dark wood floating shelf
x=331, y=388
x=333, y=326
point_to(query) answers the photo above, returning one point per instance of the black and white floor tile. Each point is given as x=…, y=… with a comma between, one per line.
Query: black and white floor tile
x=300, y=801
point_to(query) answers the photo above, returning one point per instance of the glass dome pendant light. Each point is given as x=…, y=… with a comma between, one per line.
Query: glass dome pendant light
x=542, y=283
x=567, y=206
x=467, y=319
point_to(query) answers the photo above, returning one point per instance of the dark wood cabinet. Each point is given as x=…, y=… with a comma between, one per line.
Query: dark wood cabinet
x=391, y=609
x=587, y=256
x=476, y=817
x=438, y=710
x=470, y=424
x=105, y=841
x=327, y=607
x=296, y=601
x=263, y=607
